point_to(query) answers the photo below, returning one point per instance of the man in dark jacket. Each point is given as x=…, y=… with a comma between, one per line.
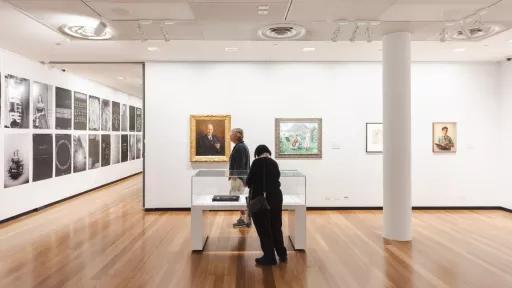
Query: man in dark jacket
x=239, y=165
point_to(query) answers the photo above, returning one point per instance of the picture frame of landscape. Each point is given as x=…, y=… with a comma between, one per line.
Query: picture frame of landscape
x=298, y=138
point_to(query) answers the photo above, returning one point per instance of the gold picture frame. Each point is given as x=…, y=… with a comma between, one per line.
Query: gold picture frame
x=206, y=145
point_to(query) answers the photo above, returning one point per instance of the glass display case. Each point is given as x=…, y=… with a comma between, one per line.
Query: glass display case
x=207, y=183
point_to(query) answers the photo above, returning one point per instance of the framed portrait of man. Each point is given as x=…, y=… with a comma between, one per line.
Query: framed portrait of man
x=209, y=138
x=444, y=137
x=298, y=138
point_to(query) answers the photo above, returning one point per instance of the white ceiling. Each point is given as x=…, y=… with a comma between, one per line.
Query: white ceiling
x=201, y=30
x=120, y=76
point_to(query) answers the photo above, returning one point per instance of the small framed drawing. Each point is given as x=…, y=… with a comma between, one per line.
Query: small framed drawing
x=444, y=137
x=374, y=138
x=298, y=137
x=209, y=138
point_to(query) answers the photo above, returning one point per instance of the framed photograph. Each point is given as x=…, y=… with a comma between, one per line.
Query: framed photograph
x=106, y=113
x=80, y=113
x=17, y=102
x=209, y=138
x=63, y=154
x=94, y=113
x=63, y=109
x=42, y=156
x=374, y=138
x=444, y=137
x=94, y=151
x=79, y=153
x=16, y=159
x=298, y=138
x=42, y=97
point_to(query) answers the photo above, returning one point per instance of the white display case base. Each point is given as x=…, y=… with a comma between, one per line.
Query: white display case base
x=204, y=203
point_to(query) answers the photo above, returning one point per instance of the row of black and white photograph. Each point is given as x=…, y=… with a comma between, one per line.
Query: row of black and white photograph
x=89, y=113
x=55, y=155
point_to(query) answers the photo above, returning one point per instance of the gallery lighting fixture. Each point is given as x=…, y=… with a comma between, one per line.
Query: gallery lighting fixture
x=308, y=49
x=152, y=48
x=98, y=32
x=354, y=32
x=120, y=77
x=231, y=49
x=459, y=49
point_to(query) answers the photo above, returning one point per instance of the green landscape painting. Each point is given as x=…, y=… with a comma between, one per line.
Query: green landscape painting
x=299, y=138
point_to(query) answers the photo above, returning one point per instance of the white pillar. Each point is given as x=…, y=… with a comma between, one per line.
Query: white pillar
x=397, y=136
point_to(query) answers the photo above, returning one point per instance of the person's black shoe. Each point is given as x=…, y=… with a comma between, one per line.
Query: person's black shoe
x=265, y=262
x=283, y=259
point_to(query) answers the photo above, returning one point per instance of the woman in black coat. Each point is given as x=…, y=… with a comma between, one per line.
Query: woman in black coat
x=263, y=178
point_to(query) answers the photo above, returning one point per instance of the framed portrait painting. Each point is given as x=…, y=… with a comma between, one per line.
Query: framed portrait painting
x=298, y=137
x=374, y=138
x=444, y=137
x=209, y=138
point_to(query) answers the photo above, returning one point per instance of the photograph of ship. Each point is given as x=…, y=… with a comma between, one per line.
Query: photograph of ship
x=16, y=159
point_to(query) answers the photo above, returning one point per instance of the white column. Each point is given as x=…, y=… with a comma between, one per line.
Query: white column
x=397, y=136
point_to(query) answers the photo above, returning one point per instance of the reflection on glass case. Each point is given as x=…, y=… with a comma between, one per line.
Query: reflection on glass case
x=209, y=183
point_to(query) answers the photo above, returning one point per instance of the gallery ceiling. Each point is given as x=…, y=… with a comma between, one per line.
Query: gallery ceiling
x=230, y=30
x=123, y=77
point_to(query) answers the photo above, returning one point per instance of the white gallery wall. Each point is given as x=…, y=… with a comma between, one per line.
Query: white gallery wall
x=506, y=136
x=345, y=96
x=18, y=199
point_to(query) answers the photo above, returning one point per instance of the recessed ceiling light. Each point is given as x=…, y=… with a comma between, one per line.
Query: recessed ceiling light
x=262, y=12
x=152, y=48
x=263, y=7
x=120, y=77
x=98, y=32
x=459, y=49
x=169, y=22
x=231, y=49
x=510, y=41
x=308, y=49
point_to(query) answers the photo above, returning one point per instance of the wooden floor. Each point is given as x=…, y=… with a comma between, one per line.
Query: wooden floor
x=105, y=239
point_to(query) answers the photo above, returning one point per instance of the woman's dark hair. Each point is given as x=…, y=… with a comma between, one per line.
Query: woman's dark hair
x=260, y=150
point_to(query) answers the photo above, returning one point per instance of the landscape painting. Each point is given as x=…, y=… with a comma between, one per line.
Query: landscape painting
x=298, y=137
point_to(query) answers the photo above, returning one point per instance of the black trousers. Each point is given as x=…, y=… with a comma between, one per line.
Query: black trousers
x=268, y=224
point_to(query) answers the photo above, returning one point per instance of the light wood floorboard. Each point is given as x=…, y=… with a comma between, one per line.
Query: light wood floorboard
x=105, y=239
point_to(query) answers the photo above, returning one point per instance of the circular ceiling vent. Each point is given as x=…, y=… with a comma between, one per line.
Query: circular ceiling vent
x=282, y=32
x=475, y=32
x=98, y=32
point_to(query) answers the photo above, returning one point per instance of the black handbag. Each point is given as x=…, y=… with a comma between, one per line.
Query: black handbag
x=259, y=203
